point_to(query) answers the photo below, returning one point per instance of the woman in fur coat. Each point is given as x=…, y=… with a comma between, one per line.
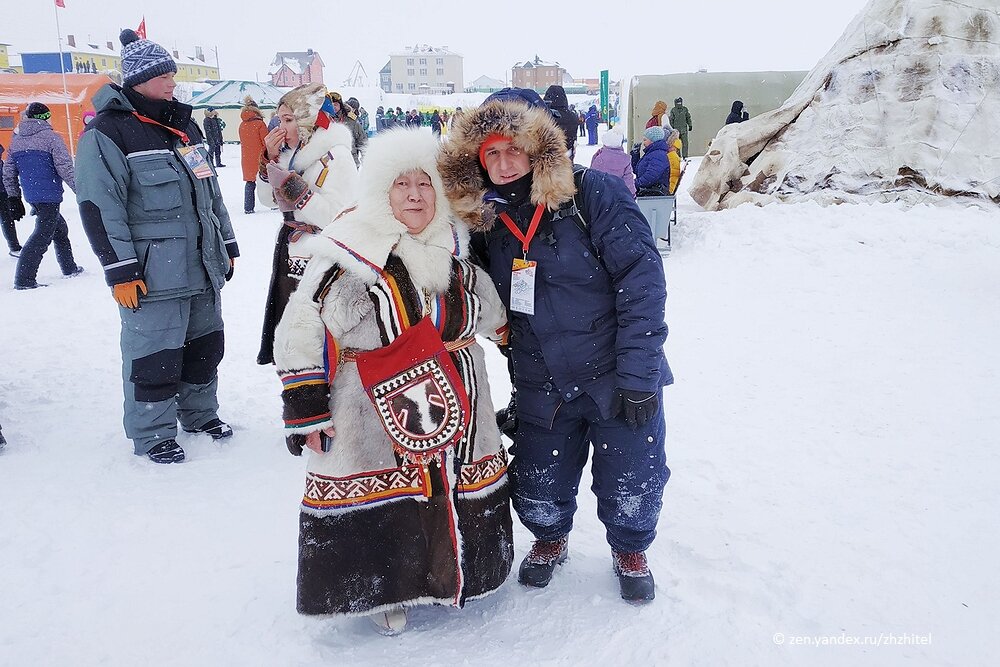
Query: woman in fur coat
x=406, y=497
x=308, y=171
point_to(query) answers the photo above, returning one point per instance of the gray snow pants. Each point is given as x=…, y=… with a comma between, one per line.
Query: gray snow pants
x=171, y=351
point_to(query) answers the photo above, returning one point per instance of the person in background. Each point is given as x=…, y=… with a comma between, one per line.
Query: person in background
x=586, y=330
x=555, y=97
x=308, y=171
x=379, y=119
x=593, y=118
x=652, y=173
x=11, y=210
x=344, y=113
x=680, y=120
x=213, y=135
x=673, y=144
x=737, y=114
x=436, y=123
x=153, y=211
x=582, y=122
x=612, y=159
x=38, y=165
x=656, y=118
x=386, y=526
x=273, y=121
x=252, y=134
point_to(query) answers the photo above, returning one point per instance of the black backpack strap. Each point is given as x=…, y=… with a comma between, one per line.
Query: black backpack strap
x=579, y=171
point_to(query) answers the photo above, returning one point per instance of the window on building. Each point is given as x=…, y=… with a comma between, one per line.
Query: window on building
x=423, y=61
x=439, y=71
x=104, y=62
x=399, y=86
x=411, y=72
x=412, y=86
x=440, y=61
x=423, y=71
x=409, y=61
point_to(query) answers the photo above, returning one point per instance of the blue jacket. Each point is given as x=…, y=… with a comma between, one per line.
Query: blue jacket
x=592, y=118
x=599, y=301
x=654, y=167
x=40, y=159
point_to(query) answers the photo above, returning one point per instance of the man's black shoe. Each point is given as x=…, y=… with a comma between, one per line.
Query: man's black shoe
x=167, y=451
x=634, y=577
x=216, y=428
x=536, y=568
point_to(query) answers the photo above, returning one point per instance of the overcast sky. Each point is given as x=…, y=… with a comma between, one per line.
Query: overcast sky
x=626, y=37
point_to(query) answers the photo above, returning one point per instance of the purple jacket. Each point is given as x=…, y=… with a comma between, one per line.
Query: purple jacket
x=39, y=156
x=615, y=161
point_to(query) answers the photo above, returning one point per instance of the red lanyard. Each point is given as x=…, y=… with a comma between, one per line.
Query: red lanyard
x=532, y=228
x=182, y=135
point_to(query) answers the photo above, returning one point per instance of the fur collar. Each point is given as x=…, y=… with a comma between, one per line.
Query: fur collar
x=533, y=131
x=361, y=240
x=321, y=142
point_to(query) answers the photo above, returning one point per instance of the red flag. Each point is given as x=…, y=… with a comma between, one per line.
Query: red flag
x=61, y=3
x=141, y=30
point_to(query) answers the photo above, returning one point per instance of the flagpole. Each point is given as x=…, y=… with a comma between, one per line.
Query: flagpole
x=62, y=69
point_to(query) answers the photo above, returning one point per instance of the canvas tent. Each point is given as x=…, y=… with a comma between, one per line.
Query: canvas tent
x=905, y=106
x=17, y=91
x=708, y=96
x=226, y=97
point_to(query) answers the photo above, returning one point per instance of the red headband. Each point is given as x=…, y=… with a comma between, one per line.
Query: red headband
x=490, y=140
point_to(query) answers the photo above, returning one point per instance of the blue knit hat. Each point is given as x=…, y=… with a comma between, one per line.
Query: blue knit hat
x=654, y=133
x=143, y=59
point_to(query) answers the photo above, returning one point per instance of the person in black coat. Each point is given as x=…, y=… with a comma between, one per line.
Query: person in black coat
x=555, y=98
x=737, y=115
x=11, y=210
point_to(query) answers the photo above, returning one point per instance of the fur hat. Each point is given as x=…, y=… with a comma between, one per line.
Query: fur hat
x=143, y=59
x=250, y=102
x=613, y=138
x=371, y=231
x=305, y=103
x=654, y=133
x=531, y=129
x=38, y=111
x=659, y=108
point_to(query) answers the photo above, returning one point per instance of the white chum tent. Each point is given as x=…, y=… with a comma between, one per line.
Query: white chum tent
x=227, y=97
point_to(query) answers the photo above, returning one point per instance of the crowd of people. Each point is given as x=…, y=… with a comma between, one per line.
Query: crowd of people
x=392, y=255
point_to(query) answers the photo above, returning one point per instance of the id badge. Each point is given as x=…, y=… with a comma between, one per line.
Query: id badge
x=196, y=161
x=522, y=286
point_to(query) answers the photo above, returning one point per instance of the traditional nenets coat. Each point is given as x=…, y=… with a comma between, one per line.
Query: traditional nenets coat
x=380, y=526
x=323, y=159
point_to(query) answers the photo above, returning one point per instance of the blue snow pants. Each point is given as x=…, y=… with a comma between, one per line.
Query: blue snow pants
x=171, y=351
x=629, y=471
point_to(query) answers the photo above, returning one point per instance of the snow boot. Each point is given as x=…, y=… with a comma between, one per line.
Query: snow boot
x=15, y=252
x=216, y=428
x=537, y=567
x=634, y=577
x=32, y=285
x=75, y=272
x=167, y=451
x=390, y=622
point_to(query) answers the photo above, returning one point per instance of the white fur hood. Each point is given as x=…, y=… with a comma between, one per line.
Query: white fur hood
x=360, y=240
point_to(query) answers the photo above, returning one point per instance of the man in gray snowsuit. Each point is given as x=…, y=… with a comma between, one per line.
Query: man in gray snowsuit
x=680, y=120
x=153, y=211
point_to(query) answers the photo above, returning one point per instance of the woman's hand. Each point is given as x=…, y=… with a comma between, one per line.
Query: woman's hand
x=315, y=442
x=273, y=142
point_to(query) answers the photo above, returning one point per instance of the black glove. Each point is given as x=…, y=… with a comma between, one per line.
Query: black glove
x=507, y=418
x=16, y=207
x=638, y=407
x=295, y=442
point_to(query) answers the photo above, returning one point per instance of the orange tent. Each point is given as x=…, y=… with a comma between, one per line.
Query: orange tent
x=17, y=91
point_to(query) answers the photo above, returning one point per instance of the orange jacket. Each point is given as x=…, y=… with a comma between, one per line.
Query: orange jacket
x=253, y=129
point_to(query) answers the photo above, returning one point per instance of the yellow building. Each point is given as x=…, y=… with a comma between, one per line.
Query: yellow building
x=106, y=59
x=4, y=60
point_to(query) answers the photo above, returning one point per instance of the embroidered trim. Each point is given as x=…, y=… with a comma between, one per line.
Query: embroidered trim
x=324, y=492
x=307, y=421
x=302, y=379
x=483, y=473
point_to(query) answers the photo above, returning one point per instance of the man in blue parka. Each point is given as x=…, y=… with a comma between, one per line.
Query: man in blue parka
x=584, y=288
x=154, y=215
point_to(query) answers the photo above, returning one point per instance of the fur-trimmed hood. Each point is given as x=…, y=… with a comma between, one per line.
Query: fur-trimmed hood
x=532, y=129
x=321, y=141
x=362, y=238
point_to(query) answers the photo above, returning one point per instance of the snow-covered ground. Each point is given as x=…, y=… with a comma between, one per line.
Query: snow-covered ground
x=832, y=433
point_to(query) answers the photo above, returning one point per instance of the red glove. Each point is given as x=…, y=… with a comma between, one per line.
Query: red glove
x=289, y=188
